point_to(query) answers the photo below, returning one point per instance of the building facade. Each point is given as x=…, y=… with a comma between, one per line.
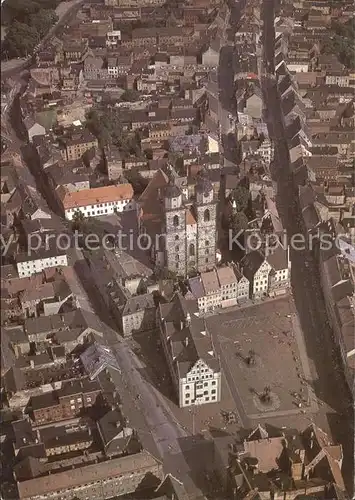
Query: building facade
x=190, y=354
x=98, y=481
x=98, y=201
x=187, y=226
x=36, y=261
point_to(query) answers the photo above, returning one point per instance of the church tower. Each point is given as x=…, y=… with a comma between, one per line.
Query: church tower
x=206, y=211
x=175, y=230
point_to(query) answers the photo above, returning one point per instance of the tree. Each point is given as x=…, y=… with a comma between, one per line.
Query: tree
x=240, y=198
x=238, y=221
x=265, y=396
x=43, y=20
x=251, y=357
x=20, y=40
x=77, y=220
x=130, y=95
x=341, y=42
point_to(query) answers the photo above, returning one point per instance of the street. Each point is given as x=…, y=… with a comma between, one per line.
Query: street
x=330, y=383
x=64, y=11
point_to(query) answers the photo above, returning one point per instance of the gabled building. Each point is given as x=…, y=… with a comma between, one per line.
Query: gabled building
x=280, y=273
x=188, y=347
x=222, y=287
x=257, y=270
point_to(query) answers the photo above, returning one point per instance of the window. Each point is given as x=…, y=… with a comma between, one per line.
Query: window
x=187, y=402
x=206, y=215
x=176, y=237
x=206, y=260
x=213, y=398
x=177, y=257
x=176, y=220
x=207, y=399
x=192, y=250
x=205, y=392
x=187, y=395
x=213, y=382
x=213, y=391
x=177, y=248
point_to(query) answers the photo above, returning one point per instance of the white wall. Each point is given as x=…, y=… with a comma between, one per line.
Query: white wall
x=200, y=380
x=101, y=209
x=30, y=267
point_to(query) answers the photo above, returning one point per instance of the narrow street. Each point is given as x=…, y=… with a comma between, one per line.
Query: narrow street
x=329, y=382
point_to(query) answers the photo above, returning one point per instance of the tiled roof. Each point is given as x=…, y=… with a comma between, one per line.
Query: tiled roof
x=97, y=195
x=86, y=474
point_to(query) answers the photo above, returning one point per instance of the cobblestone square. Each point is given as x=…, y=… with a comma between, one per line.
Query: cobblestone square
x=260, y=346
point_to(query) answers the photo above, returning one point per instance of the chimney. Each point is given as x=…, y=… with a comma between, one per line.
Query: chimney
x=181, y=325
x=186, y=341
x=32, y=363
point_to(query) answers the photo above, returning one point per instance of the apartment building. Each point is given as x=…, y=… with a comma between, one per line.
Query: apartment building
x=73, y=148
x=190, y=354
x=35, y=261
x=97, y=201
x=257, y=270
x=219, y=288
x=113, y=38
x=98, y=481
x=65, y=403
x=268, y=275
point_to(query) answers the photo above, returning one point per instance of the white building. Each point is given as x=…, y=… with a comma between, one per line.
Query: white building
x=257, y=270
x=33, y=128
x=97, y=201
x=113, y=38
x=280, y=274
x=189, y=350
x=270, y=275
x=34, y=262
x=222, y=287
x=112, y=67
x=266, y=151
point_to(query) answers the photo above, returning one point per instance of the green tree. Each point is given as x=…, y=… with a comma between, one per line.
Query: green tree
x=238, y=221
x=341, y=42
x=130, y=95
x=240, y=197
x=20, y=40
x=43, y=20
x=77, y=220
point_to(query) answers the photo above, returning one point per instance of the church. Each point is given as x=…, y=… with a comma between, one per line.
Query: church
x=181, y=227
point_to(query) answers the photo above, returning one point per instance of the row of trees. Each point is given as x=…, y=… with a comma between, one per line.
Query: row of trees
x=27, y=21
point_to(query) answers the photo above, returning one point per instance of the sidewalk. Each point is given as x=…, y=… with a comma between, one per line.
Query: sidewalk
x=245, y=305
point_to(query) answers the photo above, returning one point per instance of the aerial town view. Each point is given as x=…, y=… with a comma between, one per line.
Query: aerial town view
x=177, y=249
